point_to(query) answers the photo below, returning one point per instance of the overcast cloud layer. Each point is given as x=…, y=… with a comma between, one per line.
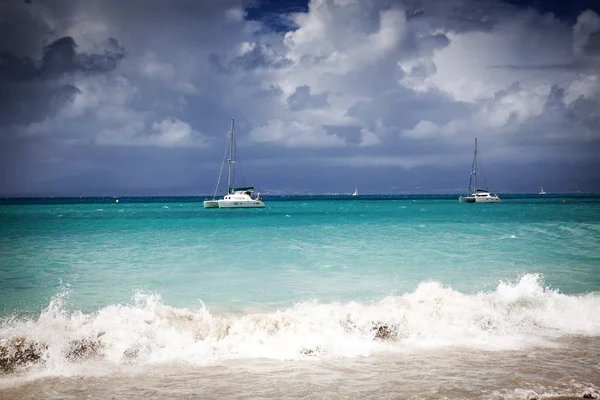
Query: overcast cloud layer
x=121, y=98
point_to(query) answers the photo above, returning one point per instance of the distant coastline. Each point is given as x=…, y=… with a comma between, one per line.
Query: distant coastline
x=32, y=200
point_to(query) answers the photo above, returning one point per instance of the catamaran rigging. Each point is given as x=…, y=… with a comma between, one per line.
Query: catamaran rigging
x=242, y=197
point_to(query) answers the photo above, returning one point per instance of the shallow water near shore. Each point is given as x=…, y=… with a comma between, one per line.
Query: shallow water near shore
x=318, y=298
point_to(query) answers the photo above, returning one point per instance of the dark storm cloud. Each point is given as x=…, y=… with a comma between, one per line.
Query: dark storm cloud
x=592, y=47
x=577, y=121
x=60, y=58
x=434, y=42
x=36, y=69
x=404, y=108
x=31, y=90
x=586, y=112
x=583, y=111
x=302, y=99
x=567, y=66
x=355, y=76
x=461, y=16
x=457, y=16
x=21, y=31
x=585, y=52
x=25, y=103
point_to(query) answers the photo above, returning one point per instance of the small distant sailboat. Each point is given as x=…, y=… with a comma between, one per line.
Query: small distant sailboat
x=243, y=197
x=478, y=195
x=542, y=191
x=355, y=192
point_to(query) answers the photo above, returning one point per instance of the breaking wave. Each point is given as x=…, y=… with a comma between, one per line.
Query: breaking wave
x=147, y=331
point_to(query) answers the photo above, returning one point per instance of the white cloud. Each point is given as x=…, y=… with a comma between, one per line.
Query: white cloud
x=424, y=130
x=235, y=14
x=295, y=134
x=339, y=37
x=359, y=52
x=345, y=35
x=587, y=34
x=101, y=99
x=514, y=106
x=172, y=132
x=104, y=97
x=166, y=73
x=154, y=69
x=365, y=78
x=168, y=133
x=587, y=86
x=368, y=138
x=470, y=67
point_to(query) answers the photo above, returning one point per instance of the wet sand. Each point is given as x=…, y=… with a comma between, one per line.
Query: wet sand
x=569, y=371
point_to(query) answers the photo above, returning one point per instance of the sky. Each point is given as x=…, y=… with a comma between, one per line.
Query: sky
x=115, y=98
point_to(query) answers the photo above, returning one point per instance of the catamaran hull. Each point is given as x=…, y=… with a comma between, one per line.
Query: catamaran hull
x=241, y=204
x=471, y=199
x=487, y=200
x=211, y=204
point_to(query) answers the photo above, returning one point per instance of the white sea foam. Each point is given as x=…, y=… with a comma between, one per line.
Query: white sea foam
x=147, y=331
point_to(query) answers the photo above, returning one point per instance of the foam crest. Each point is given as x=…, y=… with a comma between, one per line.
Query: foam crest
x=147, y=331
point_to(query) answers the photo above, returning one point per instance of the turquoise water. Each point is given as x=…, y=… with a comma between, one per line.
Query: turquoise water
x=368, y=297
x=327, y=249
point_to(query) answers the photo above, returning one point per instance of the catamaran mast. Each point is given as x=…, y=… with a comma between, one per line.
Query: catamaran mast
x=230, y=159
x=475, y=168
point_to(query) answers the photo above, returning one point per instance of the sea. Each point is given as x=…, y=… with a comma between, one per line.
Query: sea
x=312, y=297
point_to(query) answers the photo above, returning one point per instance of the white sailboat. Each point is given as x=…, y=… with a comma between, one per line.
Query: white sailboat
x=542, y=191
x=478, y=195
x=242, y=197
x=355, y=192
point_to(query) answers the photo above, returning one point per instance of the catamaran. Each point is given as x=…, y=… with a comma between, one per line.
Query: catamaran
x=478, y=195
x=241, y=197
x=542, y=191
